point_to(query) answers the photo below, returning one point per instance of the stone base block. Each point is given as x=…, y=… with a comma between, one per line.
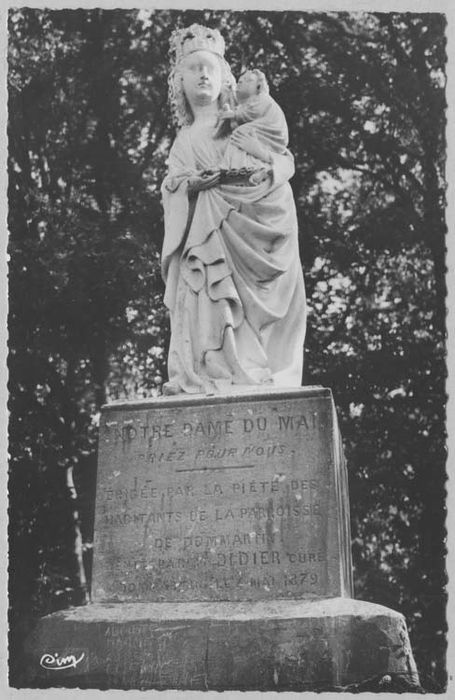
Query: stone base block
x=288, y=645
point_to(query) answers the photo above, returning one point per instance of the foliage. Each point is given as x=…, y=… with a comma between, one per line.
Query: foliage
x=89, y=134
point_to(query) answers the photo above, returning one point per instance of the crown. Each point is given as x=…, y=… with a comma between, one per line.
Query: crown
x=195, y=38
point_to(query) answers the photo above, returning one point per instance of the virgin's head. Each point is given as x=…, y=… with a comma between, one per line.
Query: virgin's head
x=200, y=75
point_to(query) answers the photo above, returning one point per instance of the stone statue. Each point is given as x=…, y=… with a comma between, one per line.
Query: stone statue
x=234, y=283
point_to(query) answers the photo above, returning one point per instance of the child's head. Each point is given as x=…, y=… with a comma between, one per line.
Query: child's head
x=250, y=84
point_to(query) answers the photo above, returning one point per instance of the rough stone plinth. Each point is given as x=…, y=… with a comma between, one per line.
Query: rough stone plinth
x=266, y=645
x=236, y=497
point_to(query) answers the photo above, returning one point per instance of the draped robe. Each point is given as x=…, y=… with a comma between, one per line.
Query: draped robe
x=234, y=283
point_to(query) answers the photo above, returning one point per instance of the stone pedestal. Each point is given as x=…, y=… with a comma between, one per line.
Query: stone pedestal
x=222, y=556
x=222, y=498
x=269, y=645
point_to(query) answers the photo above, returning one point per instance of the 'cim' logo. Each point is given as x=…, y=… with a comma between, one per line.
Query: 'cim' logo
x=55, y=662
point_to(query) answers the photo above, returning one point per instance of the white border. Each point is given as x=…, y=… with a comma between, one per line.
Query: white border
x=444, y=6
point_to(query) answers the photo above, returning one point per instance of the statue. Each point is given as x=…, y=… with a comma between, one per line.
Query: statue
x=234, y=283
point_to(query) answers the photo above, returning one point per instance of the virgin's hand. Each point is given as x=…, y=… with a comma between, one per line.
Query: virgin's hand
x=260, y=176
x=199, y=182
x=250, y=144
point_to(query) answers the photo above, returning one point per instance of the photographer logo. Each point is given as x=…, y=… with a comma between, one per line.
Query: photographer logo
x=55, y=662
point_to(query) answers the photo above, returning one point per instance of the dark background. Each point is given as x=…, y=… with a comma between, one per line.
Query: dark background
x=89, y=133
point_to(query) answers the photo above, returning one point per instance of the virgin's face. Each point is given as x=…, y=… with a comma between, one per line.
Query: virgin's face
x=201, y=73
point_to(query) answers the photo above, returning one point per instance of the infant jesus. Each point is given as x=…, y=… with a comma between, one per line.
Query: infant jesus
x=259, y=127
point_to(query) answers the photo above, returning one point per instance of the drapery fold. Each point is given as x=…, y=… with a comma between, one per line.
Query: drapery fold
x=234, y=284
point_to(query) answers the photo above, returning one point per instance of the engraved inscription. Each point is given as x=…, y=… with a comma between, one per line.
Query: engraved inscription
x=226, y=502
x=150, y=433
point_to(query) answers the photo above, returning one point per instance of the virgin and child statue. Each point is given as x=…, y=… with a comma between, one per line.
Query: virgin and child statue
x=230, y=259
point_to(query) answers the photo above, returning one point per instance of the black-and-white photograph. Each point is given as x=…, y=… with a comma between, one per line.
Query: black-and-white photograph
x=227, y=349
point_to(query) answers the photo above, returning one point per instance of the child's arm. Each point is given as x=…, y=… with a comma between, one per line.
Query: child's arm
x=226, y=121
x=253, y=108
